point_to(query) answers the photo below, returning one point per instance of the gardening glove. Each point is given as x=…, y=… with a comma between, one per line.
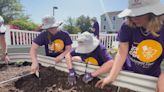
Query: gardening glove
x=72, y=77
x=87, y=78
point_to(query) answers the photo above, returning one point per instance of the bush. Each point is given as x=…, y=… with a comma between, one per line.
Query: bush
x=112, y=51
x=23, y=24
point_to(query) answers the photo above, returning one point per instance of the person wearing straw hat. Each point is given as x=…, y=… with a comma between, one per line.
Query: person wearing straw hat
x=57, y=44
x=91, y=51
x=3, y=44
x=95, y=27
x=141, y=37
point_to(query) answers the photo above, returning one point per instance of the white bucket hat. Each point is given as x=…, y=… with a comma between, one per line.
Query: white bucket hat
x=2, y=27
x=49, y=22
x=94, y=19
x=87, y=43
x=141, y=7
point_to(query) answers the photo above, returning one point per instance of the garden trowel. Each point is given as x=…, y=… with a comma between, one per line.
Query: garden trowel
x=37, y=74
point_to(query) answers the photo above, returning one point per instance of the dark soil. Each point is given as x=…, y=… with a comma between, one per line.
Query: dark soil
x=3, y=67
x=52, y=80
x=10, y=71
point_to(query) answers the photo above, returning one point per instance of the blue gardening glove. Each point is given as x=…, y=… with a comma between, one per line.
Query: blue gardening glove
x=87, y=78
x=72, y=77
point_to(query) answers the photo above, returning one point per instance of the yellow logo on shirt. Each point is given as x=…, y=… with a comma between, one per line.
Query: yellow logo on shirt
x=148, y=51
x=91, y=60
x=57, y=45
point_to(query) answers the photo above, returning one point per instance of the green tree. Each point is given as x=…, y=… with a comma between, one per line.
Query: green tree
x=83, y=23
x=11, y=9
x=24, y=24
x=70, y=26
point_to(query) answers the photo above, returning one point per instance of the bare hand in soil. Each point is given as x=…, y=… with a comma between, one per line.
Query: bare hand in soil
x=5, y=58
x=34, y=67
x=101, y=83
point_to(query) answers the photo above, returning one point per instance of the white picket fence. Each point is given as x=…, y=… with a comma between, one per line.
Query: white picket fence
x=108, y=40
x=22, y=38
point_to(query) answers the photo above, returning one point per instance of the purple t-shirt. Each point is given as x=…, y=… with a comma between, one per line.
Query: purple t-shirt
x=54, y=44
x=96, y=26
x=98, y=57
x=145, y=50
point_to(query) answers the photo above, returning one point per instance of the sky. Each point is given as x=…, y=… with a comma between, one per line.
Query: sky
x=37, y=9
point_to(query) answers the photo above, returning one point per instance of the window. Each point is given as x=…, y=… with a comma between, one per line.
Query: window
x=104, y=19
x=114, y=18
x=104, y=27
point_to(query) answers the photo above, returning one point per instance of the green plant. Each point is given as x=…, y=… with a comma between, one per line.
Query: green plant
x=24, y=24
x=112, y=51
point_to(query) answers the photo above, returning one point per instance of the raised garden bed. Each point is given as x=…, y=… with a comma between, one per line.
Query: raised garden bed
x=51, y=80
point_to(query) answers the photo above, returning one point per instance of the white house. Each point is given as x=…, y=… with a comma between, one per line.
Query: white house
x=110, y=22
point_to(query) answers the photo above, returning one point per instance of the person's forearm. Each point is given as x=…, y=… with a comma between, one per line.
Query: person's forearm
x=117, y=66
x=161, y=77
x=68, y=58
x=64, y=53
x=93, y=29
x=160, y=83
x=33, y=55
x=4, y=48
x=103, y=69
x=3, y=44
x=67, y=50
x=119, y=60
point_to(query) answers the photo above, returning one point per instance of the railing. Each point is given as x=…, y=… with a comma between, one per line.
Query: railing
x=21, y=38
x=108, y=40
x=74, y=37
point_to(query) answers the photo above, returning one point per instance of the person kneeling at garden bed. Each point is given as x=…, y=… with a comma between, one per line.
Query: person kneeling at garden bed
x=141, y=42
x=57, y=44
x=3, y=45
x=91, y=51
